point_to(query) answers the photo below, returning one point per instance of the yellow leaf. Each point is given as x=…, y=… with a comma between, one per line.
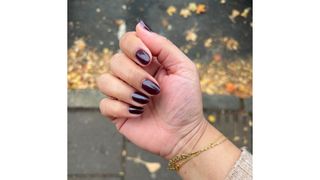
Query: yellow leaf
x=212, y=118
x=185, y=13
x=208, y=43
x=234, y=14
x=192, y=7
x=171, y=10
x=191, y=36
x=245, y=12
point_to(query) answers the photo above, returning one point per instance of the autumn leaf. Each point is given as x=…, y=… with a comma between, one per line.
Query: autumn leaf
x=208, y=43
x=230, y=87
x=217, y=57
x=235, y=13
x=245, y=12
x=185, y=13
x=191, y=36
x=171, y=10
x=192, y=7
x=212, y=118
x=201, y=8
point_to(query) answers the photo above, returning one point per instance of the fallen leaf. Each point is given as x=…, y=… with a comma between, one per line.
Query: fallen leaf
x=171, y=10
x=192, y=7
x=236, y=138
x=208, y=43
x=201, y=8
x=235, y=13
x=230, y=87
x=185, y=13
x=217, y=57
x=191, y=36
x=230, y=43
x=212, y=118
x=153, y=167
x=79, y=45
x=245, y=12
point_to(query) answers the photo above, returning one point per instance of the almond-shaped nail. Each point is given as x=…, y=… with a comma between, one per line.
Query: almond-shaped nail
x=151, y=87
x=145, y=26
x=143, y=57
x=135, y=110
x=140, y=98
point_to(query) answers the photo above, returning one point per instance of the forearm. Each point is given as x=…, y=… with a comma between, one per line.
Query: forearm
x=214, y=163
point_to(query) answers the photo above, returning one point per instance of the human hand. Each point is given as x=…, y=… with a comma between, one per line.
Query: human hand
x=167, y=113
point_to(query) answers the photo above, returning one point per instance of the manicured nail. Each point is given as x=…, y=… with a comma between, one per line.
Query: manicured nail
x=140, y=98
x=145, y=26
x=143, y=57
x=135, y=110
x=151, y=87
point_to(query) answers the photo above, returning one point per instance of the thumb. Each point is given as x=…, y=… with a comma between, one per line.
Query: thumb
x=166, y=52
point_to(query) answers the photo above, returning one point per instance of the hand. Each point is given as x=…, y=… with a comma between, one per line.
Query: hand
x=155, y=102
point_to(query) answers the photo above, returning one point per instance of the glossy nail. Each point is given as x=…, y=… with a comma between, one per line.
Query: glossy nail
x=145, y=26
x=143, y=57
x=140, y=98
x=151, y=87
x=135, y=110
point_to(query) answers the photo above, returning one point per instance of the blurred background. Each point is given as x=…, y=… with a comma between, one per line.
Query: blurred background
x=215, y=34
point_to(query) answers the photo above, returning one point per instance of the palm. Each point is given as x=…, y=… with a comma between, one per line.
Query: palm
x=168, y=116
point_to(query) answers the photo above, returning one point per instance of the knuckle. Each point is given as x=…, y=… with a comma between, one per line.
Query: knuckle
x=124, y=38
x=103, y=107
x=114, y=61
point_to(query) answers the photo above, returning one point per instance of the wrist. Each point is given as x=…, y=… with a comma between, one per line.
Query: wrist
x=194, y=140
x=215, y=162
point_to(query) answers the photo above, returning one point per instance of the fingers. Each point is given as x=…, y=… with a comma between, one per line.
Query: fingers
x=116, y=88
x=131, y=73
x=167, y=53
x=114, y=108
x=135, y=49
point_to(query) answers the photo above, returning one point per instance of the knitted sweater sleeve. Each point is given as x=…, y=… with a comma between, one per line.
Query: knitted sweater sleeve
x=242, y=170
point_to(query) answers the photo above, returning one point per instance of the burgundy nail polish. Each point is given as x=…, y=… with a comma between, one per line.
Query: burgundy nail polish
x=140, y=98
x=143, y=57
x=135, y=110
x=151, y=87
x=145, y=26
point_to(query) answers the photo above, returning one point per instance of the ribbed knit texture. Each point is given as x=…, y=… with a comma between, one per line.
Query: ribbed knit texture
x=242, y=170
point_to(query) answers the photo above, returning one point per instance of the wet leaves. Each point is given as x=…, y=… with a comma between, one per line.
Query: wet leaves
x=185, y=12
x=229, y=78
x=85, y=64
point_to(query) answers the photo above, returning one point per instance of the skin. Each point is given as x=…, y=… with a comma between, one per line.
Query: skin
x=172, y=122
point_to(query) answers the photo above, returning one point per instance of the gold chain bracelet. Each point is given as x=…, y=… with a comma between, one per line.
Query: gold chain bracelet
x=176, y=162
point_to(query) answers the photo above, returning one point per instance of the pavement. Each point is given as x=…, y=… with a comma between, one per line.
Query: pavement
x=97, y=151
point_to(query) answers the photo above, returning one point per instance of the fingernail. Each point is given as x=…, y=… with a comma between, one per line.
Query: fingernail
x=150, y=87
x=143, y=57
x=135, y=110
x=140, y=98
x=145, y=26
